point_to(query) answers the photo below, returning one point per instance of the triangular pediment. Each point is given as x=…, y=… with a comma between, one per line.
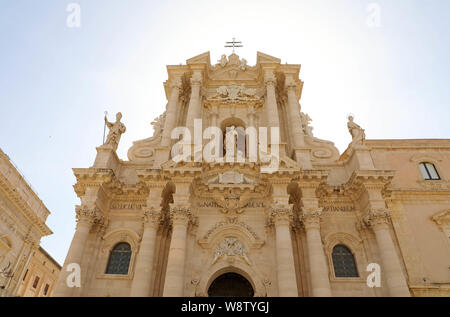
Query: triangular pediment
x=200, y=59
x=262, y=58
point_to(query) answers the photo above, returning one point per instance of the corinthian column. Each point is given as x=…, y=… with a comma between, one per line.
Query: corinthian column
x=320, y=282
x=293, y=108
x=271, y=101
x=174, y=283
x=391, y=268
x=194, y=110
x=85, y=219
x=141, y=285
x=287, y=282
x=171, y=113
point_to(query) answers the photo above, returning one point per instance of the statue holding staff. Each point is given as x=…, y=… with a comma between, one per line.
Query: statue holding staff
x=115, y=131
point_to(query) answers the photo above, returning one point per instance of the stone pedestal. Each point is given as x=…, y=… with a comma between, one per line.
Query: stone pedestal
x=303, y=156
x=162, y=155
x=106, y=158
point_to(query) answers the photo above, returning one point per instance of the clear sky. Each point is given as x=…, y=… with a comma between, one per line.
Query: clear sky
x=56, y=81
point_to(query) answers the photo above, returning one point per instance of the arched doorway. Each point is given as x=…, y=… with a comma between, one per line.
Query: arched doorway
x=231, y=285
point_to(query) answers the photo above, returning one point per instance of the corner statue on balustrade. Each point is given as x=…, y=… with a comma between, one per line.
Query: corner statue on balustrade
x=357, y=133
x=115, y=131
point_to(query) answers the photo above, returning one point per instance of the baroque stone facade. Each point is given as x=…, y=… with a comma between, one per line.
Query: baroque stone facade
x=22, y=225
x=153, y=226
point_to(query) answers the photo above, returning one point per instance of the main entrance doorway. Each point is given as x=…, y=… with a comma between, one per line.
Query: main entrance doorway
x=231, y=285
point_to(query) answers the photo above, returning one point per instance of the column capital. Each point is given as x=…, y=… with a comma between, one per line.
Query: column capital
x=176, y=84
x=151, y=217
x=270, y=79
x=196, y=79
x=88, y=215
x=281, y=214
x=180, y=214
x=290, y=84
x=377, y=218
x=311, y=218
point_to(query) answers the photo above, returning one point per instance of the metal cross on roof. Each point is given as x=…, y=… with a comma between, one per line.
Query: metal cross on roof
x=234, y=44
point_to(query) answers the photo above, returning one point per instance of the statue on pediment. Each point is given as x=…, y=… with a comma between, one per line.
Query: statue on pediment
x=358, y=134
x=116, y=129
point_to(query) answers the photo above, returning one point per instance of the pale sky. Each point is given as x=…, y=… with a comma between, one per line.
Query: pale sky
x=56, y=81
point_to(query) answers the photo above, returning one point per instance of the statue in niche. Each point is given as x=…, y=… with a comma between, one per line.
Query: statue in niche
x=115, y=131
x=357, y=133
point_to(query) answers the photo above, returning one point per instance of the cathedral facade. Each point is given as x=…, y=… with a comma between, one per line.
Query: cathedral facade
x=267, y=209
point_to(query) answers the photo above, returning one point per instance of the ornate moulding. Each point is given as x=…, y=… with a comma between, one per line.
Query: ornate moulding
x=231, y=227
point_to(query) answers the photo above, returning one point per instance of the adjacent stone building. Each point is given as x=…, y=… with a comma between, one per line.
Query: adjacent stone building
x=22, y=225
x=317, y=223
x=41, y=275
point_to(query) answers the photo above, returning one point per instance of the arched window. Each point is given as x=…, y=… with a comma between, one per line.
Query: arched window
x=429, y=171
x=119, y=259
x=344, y=262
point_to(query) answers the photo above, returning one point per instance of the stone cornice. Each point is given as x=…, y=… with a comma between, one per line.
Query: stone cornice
x=23, y=181
x=409, y=144
x=363, y=180
x=24, y=207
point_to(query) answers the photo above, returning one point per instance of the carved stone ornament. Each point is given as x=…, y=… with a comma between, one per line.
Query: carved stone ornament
x=144, y=150
x=152, y=216
x=281, y=213
x=231, y=202
x=235, y=93
x=311, y=217
x=442, y=219
x=376, y=217
x=85, y=214
x=180, y=214
x=231, y=221
x=231, y=247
